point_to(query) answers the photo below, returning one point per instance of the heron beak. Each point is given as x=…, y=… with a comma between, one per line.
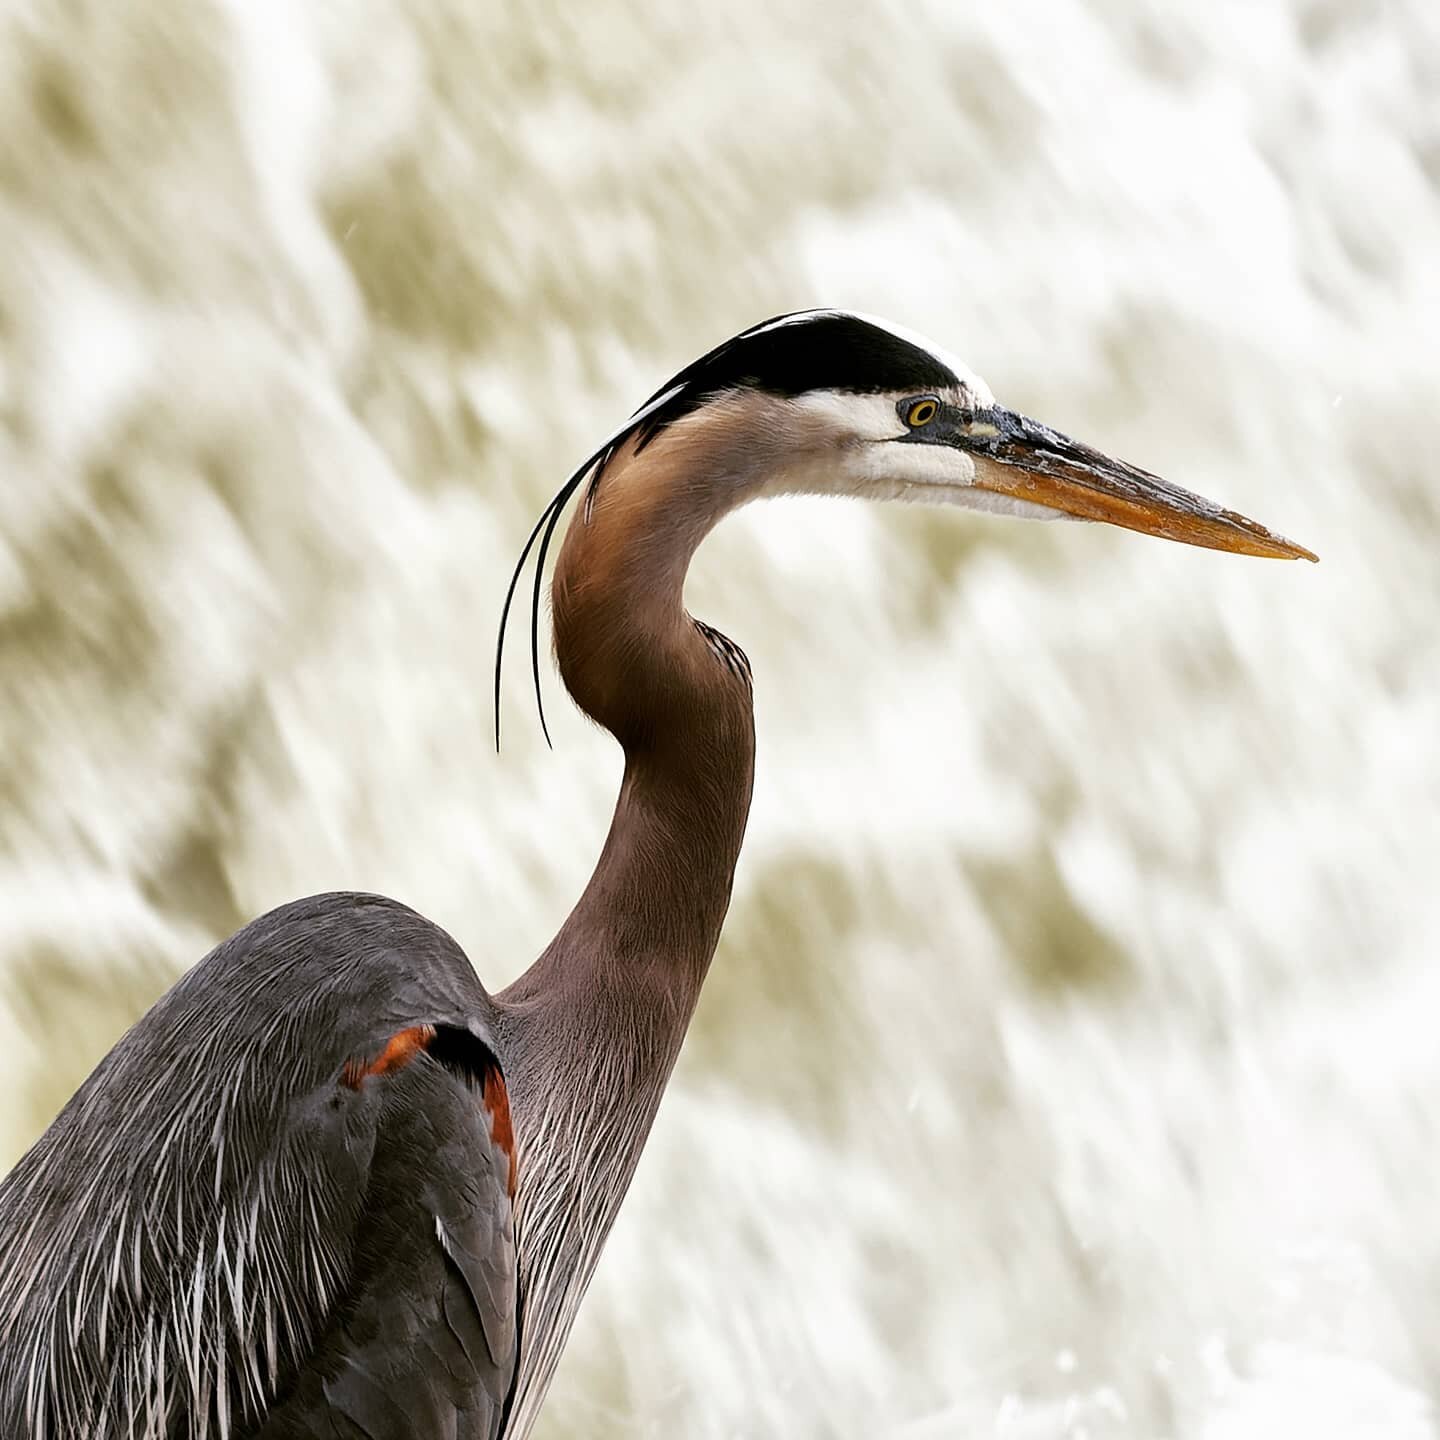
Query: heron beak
x=1019, y=457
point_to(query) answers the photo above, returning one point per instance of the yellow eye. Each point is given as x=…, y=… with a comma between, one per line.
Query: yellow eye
x=921, y=412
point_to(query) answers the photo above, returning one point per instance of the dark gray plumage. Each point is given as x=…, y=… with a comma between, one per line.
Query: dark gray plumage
x=254, y=1233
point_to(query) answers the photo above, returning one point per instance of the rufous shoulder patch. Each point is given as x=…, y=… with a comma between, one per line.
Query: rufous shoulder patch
x=399, y=1051
x=502, y=1131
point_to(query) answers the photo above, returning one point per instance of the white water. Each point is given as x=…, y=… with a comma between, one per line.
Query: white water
x=1069, y=1067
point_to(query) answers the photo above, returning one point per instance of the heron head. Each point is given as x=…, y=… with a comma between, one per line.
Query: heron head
x=847, y=404
x=834, y=402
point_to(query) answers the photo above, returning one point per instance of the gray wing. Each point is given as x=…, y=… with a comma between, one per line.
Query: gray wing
x=421, y=1340
x=282, y=1205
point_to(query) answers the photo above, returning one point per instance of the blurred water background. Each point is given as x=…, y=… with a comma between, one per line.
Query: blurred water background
x=1069, y=1066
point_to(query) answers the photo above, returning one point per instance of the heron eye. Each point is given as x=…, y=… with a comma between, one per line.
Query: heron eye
x=921, y=412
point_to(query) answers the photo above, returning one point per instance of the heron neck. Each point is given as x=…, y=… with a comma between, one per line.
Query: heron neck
x=594, y=1026
x=643, y=933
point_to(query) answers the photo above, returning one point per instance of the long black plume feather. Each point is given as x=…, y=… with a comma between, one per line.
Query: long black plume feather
x=549, y=519
x=556, y=511
x=555, y=504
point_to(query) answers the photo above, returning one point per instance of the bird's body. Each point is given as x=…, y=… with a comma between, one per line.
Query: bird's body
x=248, y=1205
x=329, y=1186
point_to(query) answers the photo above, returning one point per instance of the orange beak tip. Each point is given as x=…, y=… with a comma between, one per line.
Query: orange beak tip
x=1297, y=552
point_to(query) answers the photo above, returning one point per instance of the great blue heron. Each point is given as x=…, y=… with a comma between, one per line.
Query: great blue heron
x=329, y=1186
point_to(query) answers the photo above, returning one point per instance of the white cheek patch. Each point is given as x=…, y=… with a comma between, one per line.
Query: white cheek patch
x=842, y=417
x=896, y=467
x=846, y=444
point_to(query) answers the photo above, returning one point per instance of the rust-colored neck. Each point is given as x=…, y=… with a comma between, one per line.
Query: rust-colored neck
x=644, y=931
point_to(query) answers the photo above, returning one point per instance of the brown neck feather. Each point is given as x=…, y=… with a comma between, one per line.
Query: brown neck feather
x=644, y=931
